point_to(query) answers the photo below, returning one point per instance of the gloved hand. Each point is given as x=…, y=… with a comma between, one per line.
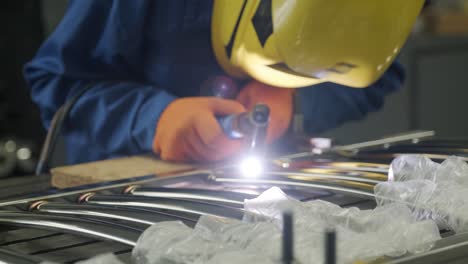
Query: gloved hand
x=188, y=130
x=280, y=101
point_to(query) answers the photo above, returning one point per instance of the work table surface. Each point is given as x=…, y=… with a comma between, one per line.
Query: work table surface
x=23, y=185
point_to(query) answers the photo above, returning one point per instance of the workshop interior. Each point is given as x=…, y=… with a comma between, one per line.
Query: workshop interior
x=387, y=187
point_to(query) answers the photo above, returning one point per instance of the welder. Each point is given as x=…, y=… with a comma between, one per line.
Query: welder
x=146, y=61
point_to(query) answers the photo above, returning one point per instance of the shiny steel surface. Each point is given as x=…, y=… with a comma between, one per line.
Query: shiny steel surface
x=82, y=222
x=308, y=162
x=80, y=226
x=174, y=205
x=269, y=182
x=135, y=215
x=230, y=198
x=387, y=155
x=106, y=186
x=304, y=176
x=384, y=142
x=9, y=256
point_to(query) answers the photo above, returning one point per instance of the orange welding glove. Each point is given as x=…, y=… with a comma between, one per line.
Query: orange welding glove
x=280, y=101
x=188, y=130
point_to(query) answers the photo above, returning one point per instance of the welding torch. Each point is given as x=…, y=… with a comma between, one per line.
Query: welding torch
x=251, y=126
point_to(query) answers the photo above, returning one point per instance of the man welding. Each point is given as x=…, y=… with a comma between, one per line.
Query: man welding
x=147, y=62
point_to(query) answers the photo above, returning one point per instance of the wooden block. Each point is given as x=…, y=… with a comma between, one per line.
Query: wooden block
x=111, y=170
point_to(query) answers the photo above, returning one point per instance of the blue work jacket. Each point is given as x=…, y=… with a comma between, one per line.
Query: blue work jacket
x=139, y=55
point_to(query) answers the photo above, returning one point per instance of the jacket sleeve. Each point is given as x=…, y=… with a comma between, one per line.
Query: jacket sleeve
x=326, y=106
x=98, y=43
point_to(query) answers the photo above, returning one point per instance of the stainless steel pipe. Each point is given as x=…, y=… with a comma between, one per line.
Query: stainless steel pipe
x=9, y=257
x=169, y=204
x=84, y=227
x=272, y=182
x=133, y=215
x=225, y=197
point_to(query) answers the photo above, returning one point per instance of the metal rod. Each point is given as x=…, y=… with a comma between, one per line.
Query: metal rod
x=175, y=205
x=384, y=141
x=231, y=198
x=305, y=176
x=84, y=227
x=377, y=176
x=353, y=166
x=367, y=144
x=133, y=215
x=330, y=247
x=288, y=238
x=9, y=256
x=392, y=155
x=99, y=187
x=295, y=184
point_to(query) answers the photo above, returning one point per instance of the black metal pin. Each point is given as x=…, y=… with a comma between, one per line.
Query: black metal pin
x=288, y=238
x=330, y=246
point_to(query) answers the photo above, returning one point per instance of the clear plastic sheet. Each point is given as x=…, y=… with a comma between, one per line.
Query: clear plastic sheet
x=363, y=234
x=433, y=191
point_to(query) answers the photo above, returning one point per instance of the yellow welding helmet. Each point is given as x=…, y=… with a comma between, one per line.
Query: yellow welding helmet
x=296, y=43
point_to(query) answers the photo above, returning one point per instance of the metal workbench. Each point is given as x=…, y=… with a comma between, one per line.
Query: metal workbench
x=77, y=223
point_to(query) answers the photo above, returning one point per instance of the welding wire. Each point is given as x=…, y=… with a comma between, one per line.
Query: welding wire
x=10, y=256
x=288, y=238
x=79, y=226
x=330, y=247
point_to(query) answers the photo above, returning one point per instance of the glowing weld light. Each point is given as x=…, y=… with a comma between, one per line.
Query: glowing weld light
x=251, y=167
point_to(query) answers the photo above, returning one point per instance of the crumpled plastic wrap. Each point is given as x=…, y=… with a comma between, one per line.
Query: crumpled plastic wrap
x=363, y=234
x=433, y=191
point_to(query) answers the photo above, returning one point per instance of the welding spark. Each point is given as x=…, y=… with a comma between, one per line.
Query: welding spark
x=251, y=167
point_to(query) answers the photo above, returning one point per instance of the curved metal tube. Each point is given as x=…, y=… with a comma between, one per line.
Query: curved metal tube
x=134, y=215
x=305, y=176
x=351, y=166
x=83, y=227
x=230, y=198
x=410, y=136
x=294, y=184
x=377, y=176
x=179, y=174
x=369, y=173
x=9, y=256
x=176, y=205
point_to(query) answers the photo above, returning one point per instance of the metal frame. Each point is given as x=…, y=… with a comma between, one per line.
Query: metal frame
x=10, y=256
x=80, y=226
